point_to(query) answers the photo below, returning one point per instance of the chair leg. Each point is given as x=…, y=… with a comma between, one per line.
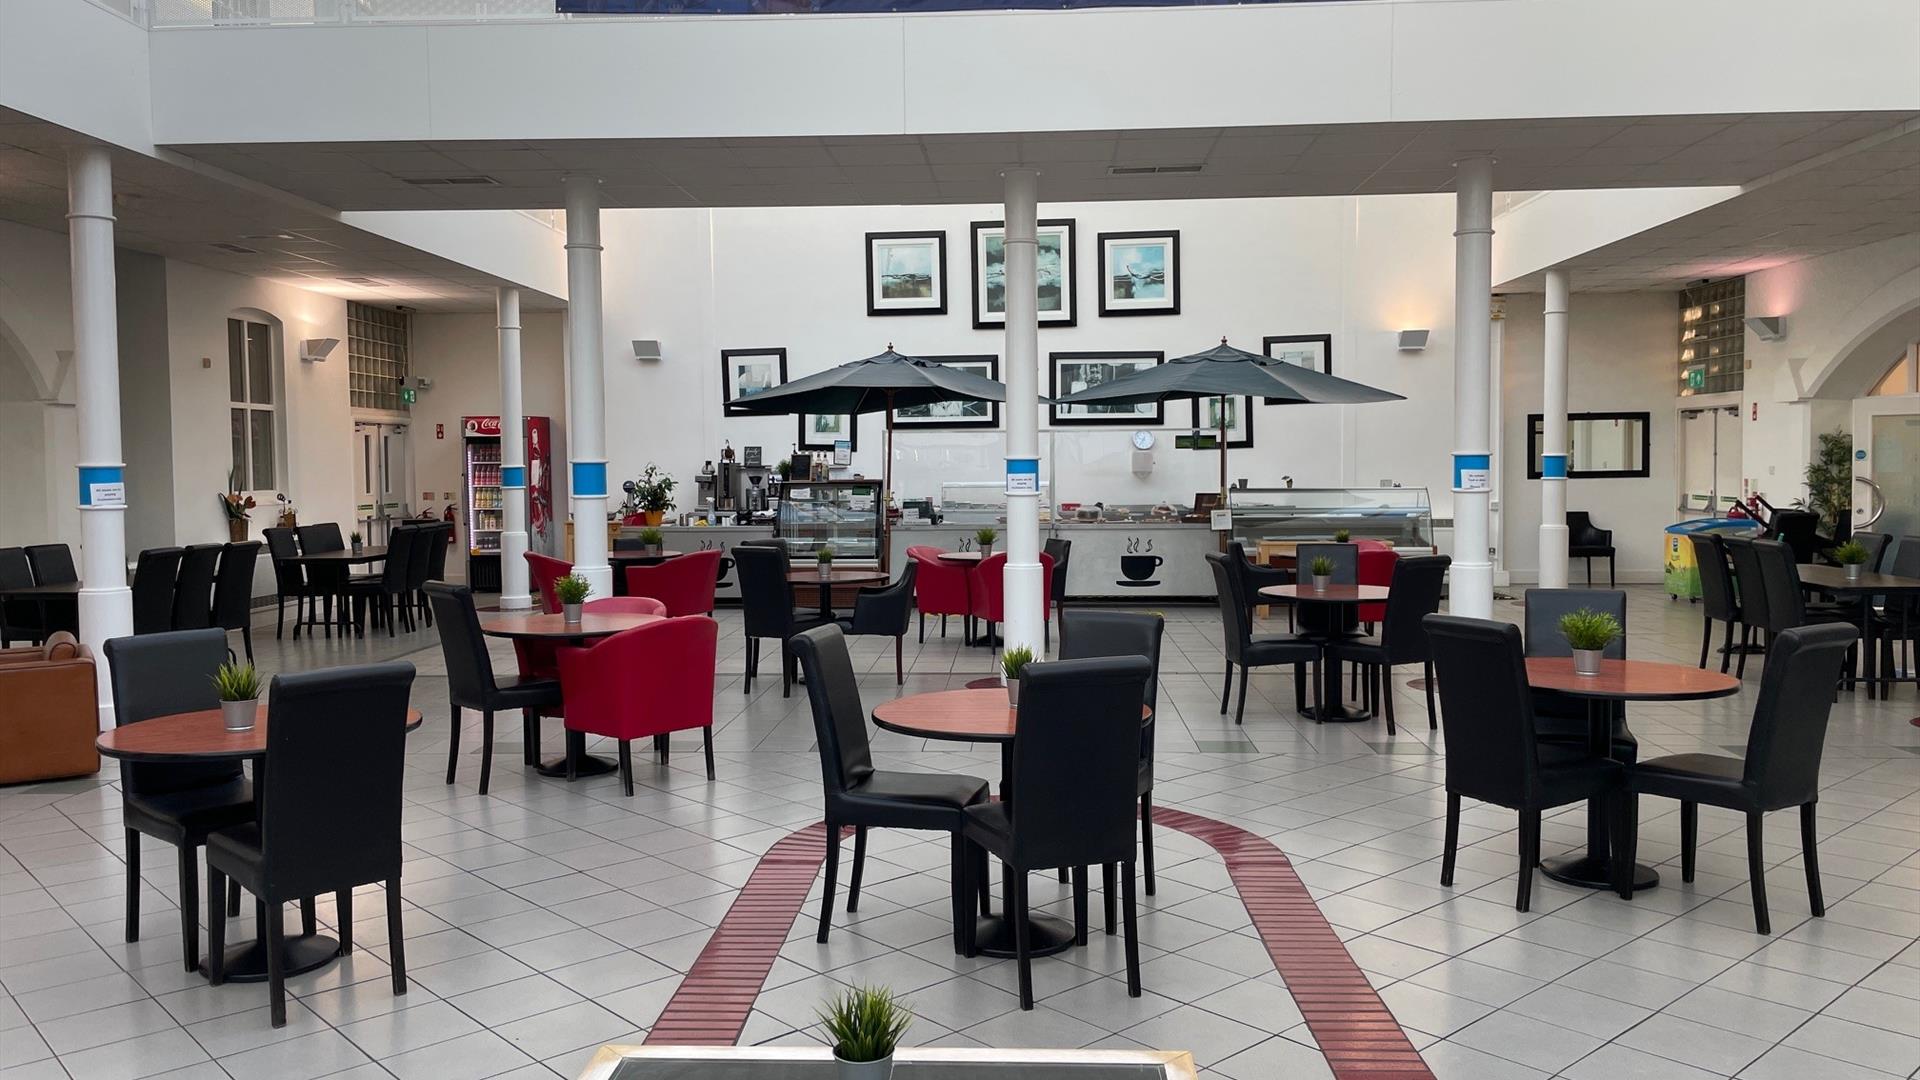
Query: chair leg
x=1810, y=854
x=190, y=904
x=1529, y=846
x=343, y=918
x=1385, y=692
x=982, y=883
x=943, y=626
x=1022, y=943
x=217, y=925
x=859, y=867
x=1757, y=873
x=1240, y=711
x=1109, y=896
x=1433, y=714
x=276, y=963
x=396, y=940
x=706, y=745
x=280, y=616
x=1146, y=838
x=309, y=918
x=1452, y=844
x=747, y=686
x=1226, y=690
x=1689, y=837
x=133, y=885
x=1626, y=841
x=786, y=670
x=1130, y=903
x=1706, y=639
x=453, y=743
x=833, y=872
x=626, y=767
x=1080, y=905
x=923, y=628
x=1610, y=582
x=528, y=741
x=233, y=902
x=1726, y=648
x=1299, y=687
x=899, y=665
x=1746, y=641
x=486, y=748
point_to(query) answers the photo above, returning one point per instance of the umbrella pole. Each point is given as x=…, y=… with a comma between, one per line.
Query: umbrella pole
x=886, y=494
x=1223, y=465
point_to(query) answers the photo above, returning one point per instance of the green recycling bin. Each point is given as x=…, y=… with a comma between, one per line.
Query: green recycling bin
x=1682, y=572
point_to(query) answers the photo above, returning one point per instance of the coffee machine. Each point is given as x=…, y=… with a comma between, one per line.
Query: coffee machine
x=736, y=488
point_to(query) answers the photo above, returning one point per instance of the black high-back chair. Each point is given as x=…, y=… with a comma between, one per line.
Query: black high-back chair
x=21, y=619
x=233, y=591
x=1876, y=544
x=1781, y=768
x=437, y=546
x=1557, y=717
x=327, y=581
x=289, y=578
x=1061, y=552
x=472, y=684
x=52, y=564
x=320, y=539
x=153, y=575
x=1417, y=584
x=1588, y=541
x=193, y=587
x=330, y=815
x=1799, y=530
x=385, y=595
x=1086, y=712
x=180, y=804
x=1719, y=599
x=1257, y=576
x=863, y=797
x=886, y=611
x=1899, y=623
x=1250, y=650
x=766, y=601
x=1787, y=605
x=1493, y=754
x=420, y=569
x=1751, y=585
x=1095, y=632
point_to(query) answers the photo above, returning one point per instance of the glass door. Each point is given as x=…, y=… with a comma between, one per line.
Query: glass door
x=381, y=479
x=1710, y=474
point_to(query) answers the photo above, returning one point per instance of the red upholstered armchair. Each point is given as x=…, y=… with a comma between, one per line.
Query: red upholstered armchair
x=988, y=601
x=939, y=588
x=627, y=605
x=644, y=682
x=537, y=661
x=1376, y=563
x=544, y=570
x=684, y=584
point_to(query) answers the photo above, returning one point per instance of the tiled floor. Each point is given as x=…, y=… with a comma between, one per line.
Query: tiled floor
x=546, y=919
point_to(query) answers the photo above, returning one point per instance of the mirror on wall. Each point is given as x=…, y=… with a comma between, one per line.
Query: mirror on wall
x=1600, y=445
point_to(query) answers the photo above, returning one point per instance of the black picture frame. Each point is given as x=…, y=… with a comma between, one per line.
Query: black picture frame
x=728, y=391
x=1246, y=412
x=1171, y=304
x=1536, y=421
x=1325, y=341
x=934, y=305
x=990, y=421
x=1054, y=360
x=1066, y=315
x=802, y=440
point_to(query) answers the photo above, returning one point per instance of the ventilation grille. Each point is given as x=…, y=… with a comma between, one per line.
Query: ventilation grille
x=362, y=281
x=453, y=181
x=1151, y=170
x=237, y=249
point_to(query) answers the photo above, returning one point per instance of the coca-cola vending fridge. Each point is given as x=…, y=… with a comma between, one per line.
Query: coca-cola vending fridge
x=485, y=506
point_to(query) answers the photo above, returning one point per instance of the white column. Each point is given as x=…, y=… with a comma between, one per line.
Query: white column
x=1553, y=437
x=106, y=603
x=513, y=456
x=1022, y=583
x=1471, y=592
x=586, y=389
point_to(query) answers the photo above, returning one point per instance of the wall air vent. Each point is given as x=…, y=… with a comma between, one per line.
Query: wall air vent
x=1151, y=170
x=237, y=249
x=453, y=181
x=363, y=281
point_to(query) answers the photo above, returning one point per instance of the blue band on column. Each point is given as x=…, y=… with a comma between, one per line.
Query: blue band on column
x=112, y=475
x=1553, y=466
x=1472, y=472
x=589, y=478
x=513, y=476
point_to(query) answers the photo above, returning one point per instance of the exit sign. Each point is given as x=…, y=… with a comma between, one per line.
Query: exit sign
x=408, y=395
x=1696, y=377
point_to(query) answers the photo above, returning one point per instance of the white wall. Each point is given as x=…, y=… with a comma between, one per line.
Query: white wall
x=38, y=437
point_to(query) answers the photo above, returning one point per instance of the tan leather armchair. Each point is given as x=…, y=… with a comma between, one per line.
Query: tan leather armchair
x=52, y=714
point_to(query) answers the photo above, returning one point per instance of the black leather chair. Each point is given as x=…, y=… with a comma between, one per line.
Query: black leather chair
x=1258, y=576
x=21, y=619
x=330, y=815
x=1557, y=717
x=1799, y=530
x=1086, y=712
x=1061, y=552
x=1899, y=622
x=233, y=591
x=157, y=675
x=1588, y=541
x=420, y=570
x=1751, y=586
x=860, y=796
x=1781, y=769
x=1787, y=605
x=153, y=575
x=52, y=564
x=1093, y=632
x=1417, y=584
x=289, y=579
x=1493, y=754
x=1719, y=599
x=1876, y=544
x=385, y=595
x=327, y=582
x=1250, y=650
x=766, y=601
x=886, y=611
x=437, y=547
x=193, y=587
x=471, y=683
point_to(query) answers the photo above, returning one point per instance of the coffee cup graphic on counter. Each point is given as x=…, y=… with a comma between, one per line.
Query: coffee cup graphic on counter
x=1138, y=566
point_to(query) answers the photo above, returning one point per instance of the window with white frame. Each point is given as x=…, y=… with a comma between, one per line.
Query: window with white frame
x=252, y=408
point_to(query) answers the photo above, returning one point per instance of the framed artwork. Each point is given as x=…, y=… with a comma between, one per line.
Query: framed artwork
x=1140, y=273
x=1053, y=272
x=745, y=372
x=1072, y=372
x=1313, y=351
x=1206, y=420
x=956, y=414
x=819, y=431
x=907, y=273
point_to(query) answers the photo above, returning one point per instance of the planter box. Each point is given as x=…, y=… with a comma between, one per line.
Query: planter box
x=929, y=1063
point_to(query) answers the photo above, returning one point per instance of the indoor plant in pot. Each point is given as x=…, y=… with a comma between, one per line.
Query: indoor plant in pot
x=235, y=505
x=864, y=1025
x=239, y=688
x=1321, y=570
x=653, y=494
x=289, y=519
x=1853, y=556
x=1589, y=632
x=572, y=591
x=354, y=539
x=824, y=560
x=1342, y=536
x=1013, y=663
x=985, y=538
x=650, y=540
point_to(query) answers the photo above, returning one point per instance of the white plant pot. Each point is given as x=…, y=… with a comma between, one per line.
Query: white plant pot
x=865, y=1070
x=826, y=571
x=1853, y=571
x=1013, y=691
x=240, y=715
x=1587, y=661
x=571, y=613
x=1321, y=581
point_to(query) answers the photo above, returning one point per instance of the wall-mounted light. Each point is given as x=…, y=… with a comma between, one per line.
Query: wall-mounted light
x=1767, y=327
x=1413, y=340
x=644, y=351
x=314, y=350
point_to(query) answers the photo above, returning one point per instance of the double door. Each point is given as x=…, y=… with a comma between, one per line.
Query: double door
x=383, y=474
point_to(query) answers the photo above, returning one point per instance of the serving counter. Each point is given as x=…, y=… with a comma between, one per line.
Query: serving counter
x=1132, y=560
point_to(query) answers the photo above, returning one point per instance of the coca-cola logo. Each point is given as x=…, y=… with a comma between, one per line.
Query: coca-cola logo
x=481, y=425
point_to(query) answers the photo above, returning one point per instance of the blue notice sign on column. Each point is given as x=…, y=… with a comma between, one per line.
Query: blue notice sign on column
x=1023, y=476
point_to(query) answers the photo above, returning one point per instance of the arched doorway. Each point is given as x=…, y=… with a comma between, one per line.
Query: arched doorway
x=1883, y=368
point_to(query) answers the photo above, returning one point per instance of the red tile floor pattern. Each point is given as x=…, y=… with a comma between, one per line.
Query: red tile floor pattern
x=1356, y=1032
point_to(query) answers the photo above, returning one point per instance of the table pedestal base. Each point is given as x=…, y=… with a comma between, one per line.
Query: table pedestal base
x=1046, y=935
x=1594, y=872
x=248, y=962
x=585, y=765
x=1336, y=714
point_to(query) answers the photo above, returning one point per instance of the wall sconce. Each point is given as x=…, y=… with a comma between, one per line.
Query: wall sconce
x=1413, y=340
x=1767, y=327
x=644, y=351
x=314, y=350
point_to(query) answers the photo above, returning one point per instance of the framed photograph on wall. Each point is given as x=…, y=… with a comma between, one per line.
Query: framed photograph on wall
x=1206, y=420
x=956, y=414
x=819, y=431
x=1053, y=271
x=1072, y=372
x=1140, y=273
x=745, y=372
x=1311, y=351
x=907, y=273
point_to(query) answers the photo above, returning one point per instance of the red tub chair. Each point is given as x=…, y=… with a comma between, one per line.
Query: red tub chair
x=684, y=584
x=989, y=599
x=543, y=571
x=643, y=683
x=939, y=588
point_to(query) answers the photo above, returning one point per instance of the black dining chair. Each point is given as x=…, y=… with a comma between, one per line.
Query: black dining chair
x=886, y=611
x=289, y=579
x=472, y=684
x=766, y=601
x=1781, y=768
x=1719, y=598
x=52, y=564
x=329, y=817
x=1588, y=541
x=21, y=618
x=180, y=804
x=1899, y=622
x=153, y=576
x=1088, y=633
x=437, y=545
x=326, y=581
x=419, y=566
x=233, y=591
x=1799, y=530
x=1415, y=594
x=1751, y=586
x=1787, y=605
x=1086, y=712
x=862, y=797
x=1493, y=752
x=1876, y=544
x=1061, y=552
x=193, y=587
x=1258, y=575
x=1249, y=650
x=385, y=596
x=1559, y=718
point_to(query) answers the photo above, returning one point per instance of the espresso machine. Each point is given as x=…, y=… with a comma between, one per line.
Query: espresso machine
x=735, y=489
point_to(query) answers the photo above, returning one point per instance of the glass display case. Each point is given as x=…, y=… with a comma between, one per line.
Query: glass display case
x=1401, y=516
x=843, y=514
x=984, y=502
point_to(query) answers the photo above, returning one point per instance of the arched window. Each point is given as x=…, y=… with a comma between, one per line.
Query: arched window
x=1900, y=378
x=253, y=399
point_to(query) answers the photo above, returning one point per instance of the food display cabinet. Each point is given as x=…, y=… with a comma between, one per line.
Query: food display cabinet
x=1401, y=516
x=843, y=514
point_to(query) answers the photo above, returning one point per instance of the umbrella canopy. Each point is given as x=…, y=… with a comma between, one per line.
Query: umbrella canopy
x=877, y=384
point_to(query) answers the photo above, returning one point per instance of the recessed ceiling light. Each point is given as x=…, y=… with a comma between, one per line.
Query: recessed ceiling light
x=269, y=236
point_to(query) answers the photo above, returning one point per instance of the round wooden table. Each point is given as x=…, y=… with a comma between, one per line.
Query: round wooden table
x=1333, y=708
x=980, y=715
x=811, y=576
x=620, y=560
x=960, y=556
x=1619, y=680
x=554, y=628
x=203, y=736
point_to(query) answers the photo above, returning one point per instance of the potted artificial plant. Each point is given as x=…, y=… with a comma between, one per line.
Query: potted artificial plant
x=985, y=538
x=824, y=560
x=235, y=505
x=653, y=494
x=288, y=518
x=1853, y=556
x=1321, y=570
x=572, y=591
x=1013, y=663
x=864, y=1026
x=354, y=539
x=650, y=540
x=1341, y=536
x=1589, y=632
x=239, y=688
